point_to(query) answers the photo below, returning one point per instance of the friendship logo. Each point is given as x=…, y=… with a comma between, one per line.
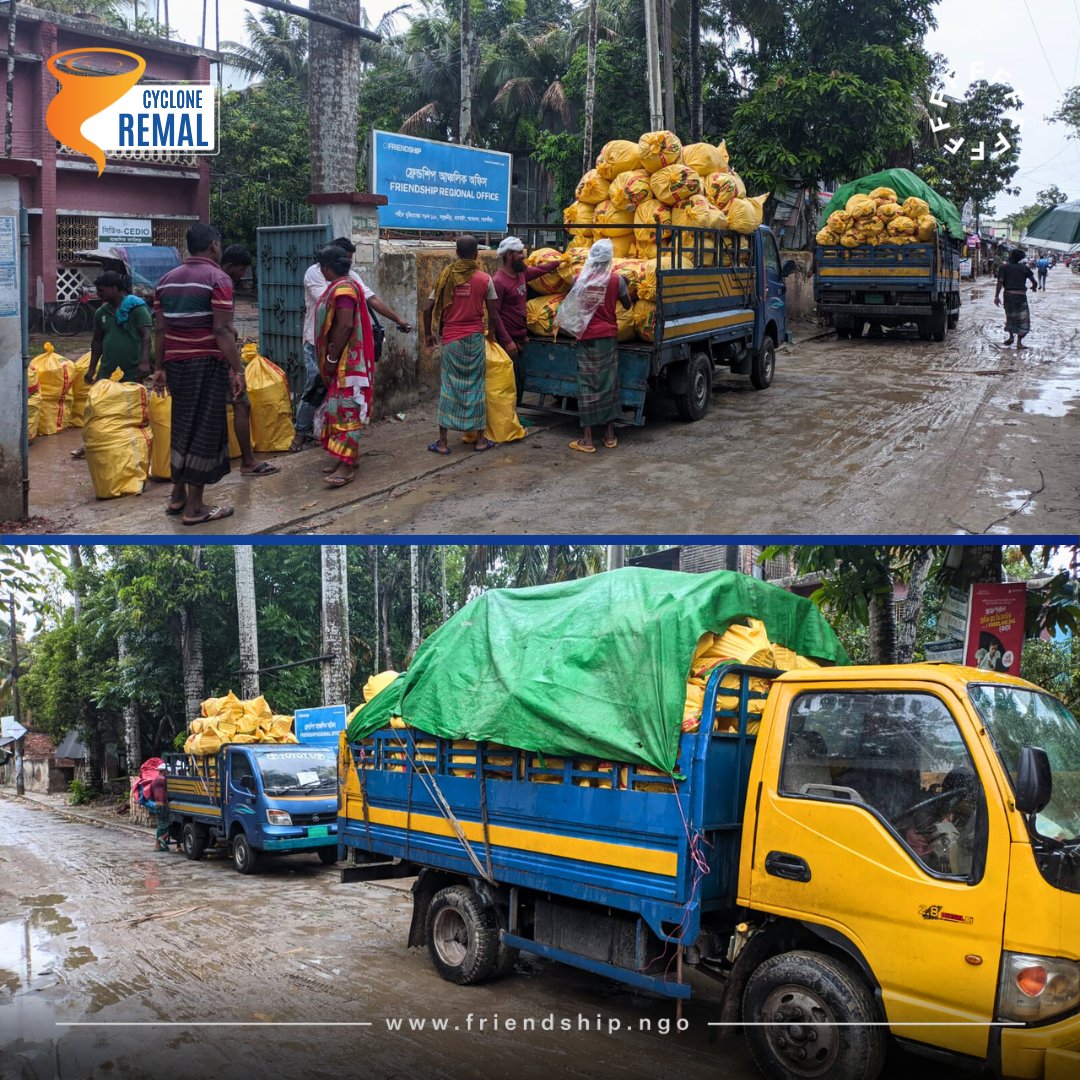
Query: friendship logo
x=101, y=109
x=940, y=99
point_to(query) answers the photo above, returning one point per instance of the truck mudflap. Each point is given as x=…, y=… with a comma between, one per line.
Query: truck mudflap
x=1051, y=1052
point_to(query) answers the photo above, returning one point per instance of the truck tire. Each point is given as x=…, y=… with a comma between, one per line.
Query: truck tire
x=763, y=366
x=463, y=936
x=939, y=322
x=692, y=400
x=328, y=855
x=787, y=994
x=843, y=332
x=923, y=325
x=954, y=318
x=193, y=839
x=245, y=858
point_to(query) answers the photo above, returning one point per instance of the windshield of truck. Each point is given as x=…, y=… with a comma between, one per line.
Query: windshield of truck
x=298, y=772
x=1016, y=718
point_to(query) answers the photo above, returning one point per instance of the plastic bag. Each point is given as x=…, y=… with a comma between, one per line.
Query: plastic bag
x=624, y=318
x=861, y=206
x=915, y=208
x=826, y=236
x=630, y=189
x=740, y=187
x=901, y=225
x=644, y=312
x=723, y=157
x=377, y=683
x=116, y=437
x=887, y=211
x=550, y=282
x=702, y=157
x=606, y=214
x=646, y=216
x=744, y=215
x=56, y=374
x=699, y=213
x=502, y=420
x=839, y=221
x=571, y=265
x=632, y=271
x=540, y=315
x=883, y=195
x=579, y=213
x=618, y=156
x=272, y=428
x=658, y=149
x=927, y=227
x=623, y=244
x=80, y=391
x=33, y=404
x=721, y=188
x=674, y=184
x=161, y=431
x=592, y=188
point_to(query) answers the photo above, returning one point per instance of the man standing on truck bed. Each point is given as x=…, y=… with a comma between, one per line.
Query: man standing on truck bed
x=1013, y=278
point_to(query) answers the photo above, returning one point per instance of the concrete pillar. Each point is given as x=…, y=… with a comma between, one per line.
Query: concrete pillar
x=12, y=374
x=46, y=293
x=354, y=214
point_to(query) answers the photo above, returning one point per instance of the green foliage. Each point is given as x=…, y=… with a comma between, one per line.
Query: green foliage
x=1055, y=666
x=560, y=155
x=1051, y=196
x=79, y=793
x=1068, y=112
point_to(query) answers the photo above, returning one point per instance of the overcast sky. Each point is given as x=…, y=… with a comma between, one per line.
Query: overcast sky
x=1035, y=42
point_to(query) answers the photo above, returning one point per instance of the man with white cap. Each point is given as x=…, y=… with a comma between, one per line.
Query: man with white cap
x=511, y=293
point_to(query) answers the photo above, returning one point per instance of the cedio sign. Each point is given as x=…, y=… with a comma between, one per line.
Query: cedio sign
x=101, y=107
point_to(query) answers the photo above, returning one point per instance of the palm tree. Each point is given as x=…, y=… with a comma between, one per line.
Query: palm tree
x=278, y=45
x=414, y=596
x=247, y=620
x=335, y=624
x=465, y=121
x=590, y=91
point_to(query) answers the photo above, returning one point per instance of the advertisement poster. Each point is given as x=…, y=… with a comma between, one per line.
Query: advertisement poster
x=995, y=631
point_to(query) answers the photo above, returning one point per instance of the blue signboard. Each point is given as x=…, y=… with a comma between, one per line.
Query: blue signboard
x=438, y=186
x=320, y=727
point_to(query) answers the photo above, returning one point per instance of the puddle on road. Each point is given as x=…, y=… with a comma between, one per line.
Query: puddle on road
x=1051, y=401
x=78, y=956
x=25, y=946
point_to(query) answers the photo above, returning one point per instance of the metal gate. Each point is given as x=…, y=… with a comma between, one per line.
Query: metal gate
x=284, y=253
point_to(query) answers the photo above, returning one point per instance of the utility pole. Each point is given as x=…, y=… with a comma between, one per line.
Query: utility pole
x=696, y=117
x=669, y=66
x=616, y=556
x=652, y=54
x=20, y=788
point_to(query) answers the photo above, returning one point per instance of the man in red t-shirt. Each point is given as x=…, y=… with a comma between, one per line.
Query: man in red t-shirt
x=458, y=302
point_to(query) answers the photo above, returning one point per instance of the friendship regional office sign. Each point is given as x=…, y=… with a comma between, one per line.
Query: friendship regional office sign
x=439, y=186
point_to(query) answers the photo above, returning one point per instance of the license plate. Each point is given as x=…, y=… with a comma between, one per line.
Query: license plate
x=319, y=830
x=874, y=298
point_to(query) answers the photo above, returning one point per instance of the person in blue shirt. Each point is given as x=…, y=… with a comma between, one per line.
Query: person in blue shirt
x=1042, y=264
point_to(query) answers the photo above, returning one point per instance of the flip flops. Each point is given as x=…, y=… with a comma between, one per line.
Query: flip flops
x=478, y=449
x=576, y=445
x=338, y=481
x=174, y=511
x=612, y=442
x=264, y=468
x=217, y=513
x=442, y=451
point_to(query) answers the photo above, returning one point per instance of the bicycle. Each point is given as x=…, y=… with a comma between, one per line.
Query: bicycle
x=73, y=316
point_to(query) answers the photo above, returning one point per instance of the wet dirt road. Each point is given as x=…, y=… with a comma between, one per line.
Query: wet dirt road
x=289, y=946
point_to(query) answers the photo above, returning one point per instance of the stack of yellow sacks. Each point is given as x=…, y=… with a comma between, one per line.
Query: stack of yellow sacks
x=229, y=720
x=880, y=218
x=739, y=644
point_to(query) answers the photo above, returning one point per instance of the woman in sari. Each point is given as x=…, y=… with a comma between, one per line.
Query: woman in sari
x=345, y=350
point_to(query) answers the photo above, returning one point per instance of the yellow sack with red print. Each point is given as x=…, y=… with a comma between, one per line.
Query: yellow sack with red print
x=630, y=188
x=704, y=158
x=644, y=312
x=581, y=214
x=540, y=315
x=592, y=188
x=659, y=148
x=33, y=404
x=501, y=392
x=56, y=374
x=674, y=184
x=80, y=390
x=647, y=216
x=744, y=215
x=618, y=156
x=720, y=188
x=552, y=281
x=161, y=430
x=272, y=428
x=116, y=437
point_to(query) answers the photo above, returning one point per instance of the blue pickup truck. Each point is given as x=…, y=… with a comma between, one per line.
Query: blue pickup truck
x=257, y=800
x=727, y=310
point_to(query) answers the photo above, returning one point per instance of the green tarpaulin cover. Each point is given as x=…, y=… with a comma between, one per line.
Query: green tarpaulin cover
x=905, y=183
x=594, y=667
x=1057, y=223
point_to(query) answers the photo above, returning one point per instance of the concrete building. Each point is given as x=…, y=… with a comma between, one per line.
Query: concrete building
x=68, y=203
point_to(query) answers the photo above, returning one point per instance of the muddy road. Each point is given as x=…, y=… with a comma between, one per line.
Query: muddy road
x=97, y=929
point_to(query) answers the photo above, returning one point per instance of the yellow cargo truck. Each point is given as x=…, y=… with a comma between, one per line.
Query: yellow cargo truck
x=854, y=853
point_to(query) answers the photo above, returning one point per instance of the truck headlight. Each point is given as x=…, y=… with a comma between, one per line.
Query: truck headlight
x=278, y=817
x=1034, y=988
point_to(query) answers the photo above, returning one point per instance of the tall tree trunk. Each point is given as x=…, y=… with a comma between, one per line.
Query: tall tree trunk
x=333, y=97
x=13, y=639
x=590, y=90
x=465, y=119
x=882, y=635
x=378, y=608
x=907, y=626
x=444, y=596
x=414, y=599
x=335, y=624
x=669, y=66
x=247, y=620
x=652, y=66
x=132, y=734
x=191, y=653
x=9, y=100
x=979, y=562
x=88, y=722
x=696, y=75
x=384, y=630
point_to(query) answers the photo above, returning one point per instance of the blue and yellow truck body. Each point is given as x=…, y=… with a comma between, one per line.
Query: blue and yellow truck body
x=889, y=285
x=726, y=310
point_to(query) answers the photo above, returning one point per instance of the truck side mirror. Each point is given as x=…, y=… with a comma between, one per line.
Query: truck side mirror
x=1034, y=781
x=789, y=268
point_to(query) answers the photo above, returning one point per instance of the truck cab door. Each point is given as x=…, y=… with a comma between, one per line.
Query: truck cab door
x=243, y=787
x=874, y=823
x=774, y=293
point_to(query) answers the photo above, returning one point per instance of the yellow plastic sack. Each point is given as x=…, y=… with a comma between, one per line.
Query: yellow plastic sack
x=644, y=312
x=550, y=282
x=579, y=213
x=648, y=287
x=698, y=213
x=851, y=239
x=914, y=207
x=744, y=215
x=592, y=188
x=674, y=184
x=826, y=236
x=623, y=246
x=629, y=189
x=116, y=437
x=887, y=211
x=161, y=430
x=839, y=221
x=871, y=227
x=633, y=271
x=540, y=315
x=624, y=318
x=860, y=206
x=646, y=216
x=740, y=187
x=377, y=683
x=501, y=391
x=80, y=390
x=703, y=158
x=571, y=265
x=883, y=194
x=272, y=428
x=56, y=375
x=33, y=404
x=723, y=157
x=618, y=156
x=257, y=708
x=926, y=228
x=215, y=705
x=658, y=149
x=606, y=215
x=721, y=188
x=901, y=225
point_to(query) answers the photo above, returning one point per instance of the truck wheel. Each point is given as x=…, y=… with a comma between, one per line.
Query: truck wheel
x=328, y=855
x=922, y=324
x=939, y=322
x=801, y=999
x=843, y=332
x=194, y=840
x=954, y=318
x=692, y=401
x=763, y=366
x=463, y=936
x=245, y=858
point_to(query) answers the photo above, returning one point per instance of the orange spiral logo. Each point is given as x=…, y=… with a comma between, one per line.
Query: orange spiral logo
x=85, y=90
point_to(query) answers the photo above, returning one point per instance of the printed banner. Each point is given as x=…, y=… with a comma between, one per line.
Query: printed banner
x=995, y=631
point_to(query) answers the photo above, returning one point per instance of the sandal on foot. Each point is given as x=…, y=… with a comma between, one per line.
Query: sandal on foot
x=612, y=442
x=174, y=511
x=264, y=468
x=338, y=481
x=217, y=513
x=442, y=451
x=479, y=448
x=576, y=445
